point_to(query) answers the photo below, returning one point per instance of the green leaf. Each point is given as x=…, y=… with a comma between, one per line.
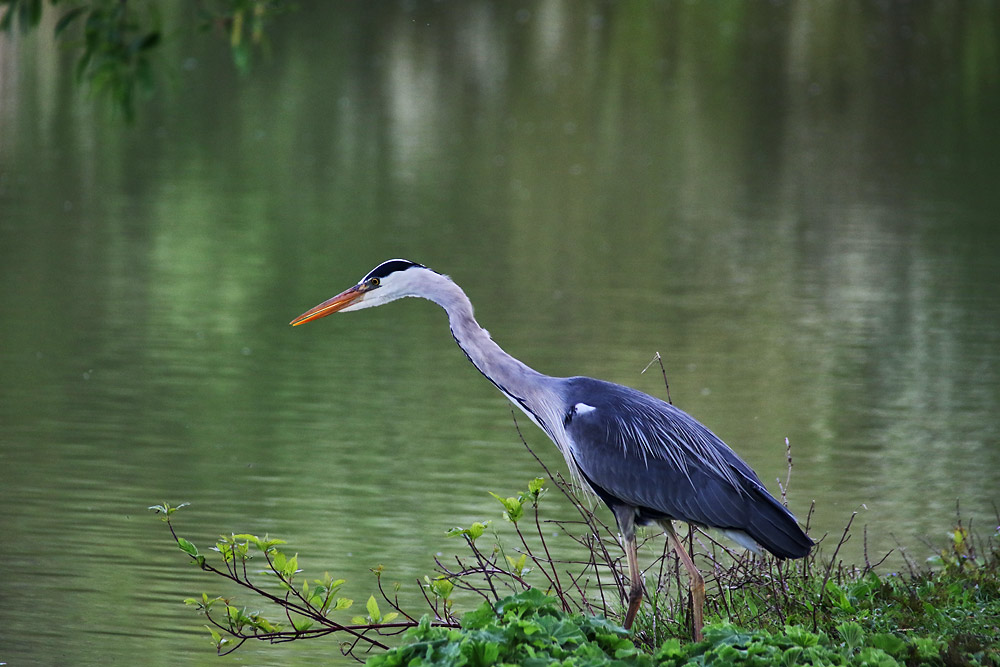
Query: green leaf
x=249, y=539
x=513, y=509
x=343, y=603
x=166, y=509
x=264, y=624
x=187, y=547
x=278, y=561
x=751, y=605
x=291, y=567
x=474, y=532
x=838, y=596
x=490, y=653
x=442, y=587
x=670, y=649
x=875, y=657
x=268, y=543
x=891, y=644
x=800, y=636
x=66, y=19
x=518, y=566
x=372, y=607
x=531, y=600
x=852, y=634
x=792, y=656
x=477, y=619
x=927, y=648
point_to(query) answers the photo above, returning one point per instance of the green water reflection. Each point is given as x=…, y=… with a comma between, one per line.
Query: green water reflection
x=794, y=204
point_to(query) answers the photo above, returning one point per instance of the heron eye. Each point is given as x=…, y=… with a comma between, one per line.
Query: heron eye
x=373, y=283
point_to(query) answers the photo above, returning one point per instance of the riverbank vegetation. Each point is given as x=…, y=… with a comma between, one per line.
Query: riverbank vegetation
x=534, y=608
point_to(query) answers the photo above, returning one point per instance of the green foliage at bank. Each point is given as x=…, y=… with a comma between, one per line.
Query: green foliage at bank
x=946, y=612
x=803, y=613
x=530, y=629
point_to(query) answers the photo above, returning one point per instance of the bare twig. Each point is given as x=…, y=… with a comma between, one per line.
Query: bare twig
x=658, y=359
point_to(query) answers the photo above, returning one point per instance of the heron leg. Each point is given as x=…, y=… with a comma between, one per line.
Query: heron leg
x=695, y=580
x=625, y=516
x=634, y=579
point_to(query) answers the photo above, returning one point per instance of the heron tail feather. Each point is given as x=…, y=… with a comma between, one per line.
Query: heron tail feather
x=774, y=528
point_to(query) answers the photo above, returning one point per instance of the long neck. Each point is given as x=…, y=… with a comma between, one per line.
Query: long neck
x=530, y=390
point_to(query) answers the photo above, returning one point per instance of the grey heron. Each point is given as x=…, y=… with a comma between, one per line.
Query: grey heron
x=647, y=460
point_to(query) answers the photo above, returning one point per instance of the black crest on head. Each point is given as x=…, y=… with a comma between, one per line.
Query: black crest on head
x=391, y=266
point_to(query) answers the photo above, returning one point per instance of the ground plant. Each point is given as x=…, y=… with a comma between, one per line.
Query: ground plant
x=536, y=609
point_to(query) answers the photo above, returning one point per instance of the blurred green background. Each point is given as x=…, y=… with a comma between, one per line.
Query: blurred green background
x=794, y=203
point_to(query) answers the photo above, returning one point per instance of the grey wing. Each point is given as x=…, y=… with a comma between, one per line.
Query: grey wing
x=639, y=451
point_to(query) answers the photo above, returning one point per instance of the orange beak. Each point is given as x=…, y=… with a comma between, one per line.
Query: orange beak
x=339, y=302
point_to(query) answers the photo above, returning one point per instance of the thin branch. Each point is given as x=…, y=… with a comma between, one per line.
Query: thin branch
x=658, y=359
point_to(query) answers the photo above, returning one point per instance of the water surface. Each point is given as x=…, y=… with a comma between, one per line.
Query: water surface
x=795, y=205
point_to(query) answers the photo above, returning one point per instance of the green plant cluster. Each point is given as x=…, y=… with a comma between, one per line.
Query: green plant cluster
x=308, y=607
x=944, y=614
x=527, y=628
x=530, y=629
x=725, y=644
x=803, y=612
x=114, y=40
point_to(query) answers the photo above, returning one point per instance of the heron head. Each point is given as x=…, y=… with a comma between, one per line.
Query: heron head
x=390, y=280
